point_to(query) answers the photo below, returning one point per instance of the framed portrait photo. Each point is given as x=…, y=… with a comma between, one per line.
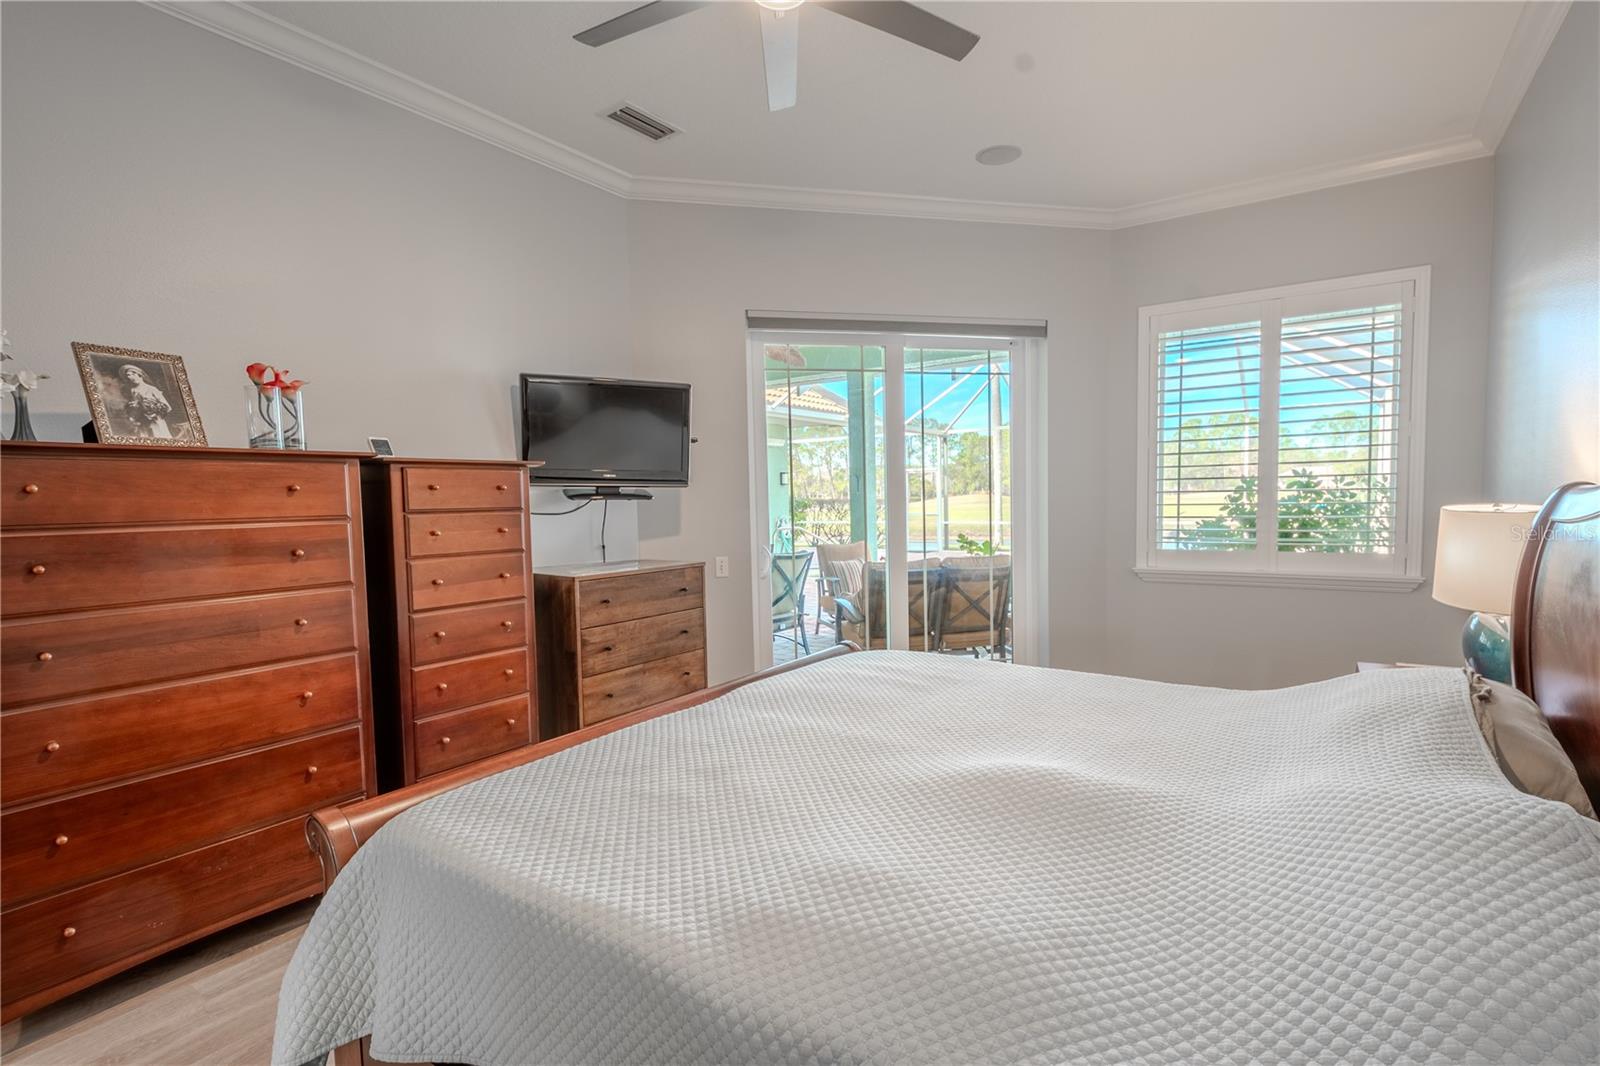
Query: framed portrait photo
x=139, y=397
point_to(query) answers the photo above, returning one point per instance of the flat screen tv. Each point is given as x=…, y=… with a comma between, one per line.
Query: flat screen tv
x=604, y=431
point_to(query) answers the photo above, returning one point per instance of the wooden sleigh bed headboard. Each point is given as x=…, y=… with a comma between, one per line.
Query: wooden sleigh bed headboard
x=1555, y=624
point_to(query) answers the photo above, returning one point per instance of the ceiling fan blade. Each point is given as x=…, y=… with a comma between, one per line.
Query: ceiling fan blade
x=909, y=23
x=640, y=18
x=780, y=43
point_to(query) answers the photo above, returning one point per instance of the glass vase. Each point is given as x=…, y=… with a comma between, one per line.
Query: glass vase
x=294, y=420
x=263, y=414
x=22, y=426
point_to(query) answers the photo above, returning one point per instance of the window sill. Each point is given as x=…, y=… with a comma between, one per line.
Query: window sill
x=1279, y=579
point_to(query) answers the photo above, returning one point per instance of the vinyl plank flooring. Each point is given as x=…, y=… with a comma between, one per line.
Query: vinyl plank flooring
x=210, y=1004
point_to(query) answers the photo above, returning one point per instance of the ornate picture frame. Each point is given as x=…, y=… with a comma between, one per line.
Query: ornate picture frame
x=140, y=398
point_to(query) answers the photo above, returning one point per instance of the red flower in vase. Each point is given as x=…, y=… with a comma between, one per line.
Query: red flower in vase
x=262, y=375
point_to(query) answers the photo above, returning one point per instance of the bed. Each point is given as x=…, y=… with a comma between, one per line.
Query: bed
x=892, y=857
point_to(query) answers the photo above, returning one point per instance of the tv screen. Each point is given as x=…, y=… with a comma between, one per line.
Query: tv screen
x=600, y=431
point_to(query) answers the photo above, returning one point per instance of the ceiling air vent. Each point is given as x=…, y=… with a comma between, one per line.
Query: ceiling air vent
x=639, y=122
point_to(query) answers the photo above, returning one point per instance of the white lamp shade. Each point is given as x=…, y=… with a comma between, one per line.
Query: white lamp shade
x=1480, y=545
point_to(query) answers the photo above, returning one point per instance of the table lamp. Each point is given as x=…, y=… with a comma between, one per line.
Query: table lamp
x=1475, y=568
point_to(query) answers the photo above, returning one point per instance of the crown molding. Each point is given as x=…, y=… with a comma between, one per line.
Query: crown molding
x=850, y=202
x=248, y=26
x=272, y=36
x=1455, y=150
x=1536, y=29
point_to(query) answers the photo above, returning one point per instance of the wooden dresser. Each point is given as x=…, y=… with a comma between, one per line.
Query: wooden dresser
x=183, y=657
x=617, y=637
x=451, y=612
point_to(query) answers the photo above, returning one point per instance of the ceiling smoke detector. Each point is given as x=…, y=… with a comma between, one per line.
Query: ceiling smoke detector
x=998, y=155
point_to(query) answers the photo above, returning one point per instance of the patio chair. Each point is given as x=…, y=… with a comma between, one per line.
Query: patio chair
x=863, y=620
x=841, y=571
x=789, y=571
x=973, y=608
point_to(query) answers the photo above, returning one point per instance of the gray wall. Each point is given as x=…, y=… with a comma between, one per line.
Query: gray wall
x=696, y=270
x=1544, y=368
x=168, y=190
x=164, y=188
x=1252, y=637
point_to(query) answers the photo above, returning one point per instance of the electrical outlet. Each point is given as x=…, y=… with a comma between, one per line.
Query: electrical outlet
x=722, y=566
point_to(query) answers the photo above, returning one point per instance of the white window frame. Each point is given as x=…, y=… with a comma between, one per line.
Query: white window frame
x=1400, y=571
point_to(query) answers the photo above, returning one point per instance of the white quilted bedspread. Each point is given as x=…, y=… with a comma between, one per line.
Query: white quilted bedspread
x=894, y=857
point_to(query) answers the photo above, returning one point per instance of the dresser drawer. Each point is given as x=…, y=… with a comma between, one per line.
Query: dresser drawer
x=99, y=490
x=608, y=695
x=451, y=740
x=42, y=572
x=440, y=635
x=59, y=657
x=460, y=532
x=603, y=600
x=467, y=579
x=458, y=684
x=612, y=647
x=69, y=746
x=52, y=846
x=138, y=912
x=462, y=488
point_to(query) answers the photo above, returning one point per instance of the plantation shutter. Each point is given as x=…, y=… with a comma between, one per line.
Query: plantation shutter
x=1340, y=364
x=1283, y=432
x=1208, y=430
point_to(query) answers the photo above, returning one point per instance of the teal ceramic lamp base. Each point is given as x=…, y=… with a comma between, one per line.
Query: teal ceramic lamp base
x=1486, y=645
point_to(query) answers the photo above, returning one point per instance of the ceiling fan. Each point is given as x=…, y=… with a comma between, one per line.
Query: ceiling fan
x=780, y=33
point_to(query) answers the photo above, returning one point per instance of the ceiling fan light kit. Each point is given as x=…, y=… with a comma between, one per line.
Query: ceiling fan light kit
x=780, y=33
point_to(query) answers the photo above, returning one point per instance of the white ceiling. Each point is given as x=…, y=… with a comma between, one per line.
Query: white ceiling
x=1117, y=106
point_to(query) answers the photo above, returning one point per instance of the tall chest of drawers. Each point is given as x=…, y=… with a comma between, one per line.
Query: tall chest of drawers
x=183, y=678
x=615, y=638
x=451, y=612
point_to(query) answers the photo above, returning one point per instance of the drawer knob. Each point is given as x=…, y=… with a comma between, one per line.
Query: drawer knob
x=36, y=569
x=502, y=488
x=511, y=721
x=502, y=529
x=608, y=648
x=61, y=840
x=45, y=656
x=508, y=625
x=294, y=488
x=438, y=581
x=311, y=771
x=604, y=602
x=683, y=632
x=509, y=672
x=608, y=695
x=299, y=553
x=438, y=634
x=69, y=932
x=435, y=532
x=504, y=574
x=444, y=740
x=302, y=622
x=305, y=697
x=684, y=589
x=443, y=685
x=433, y=488
x=30, y=488
x=686, y=673
x=52, y=747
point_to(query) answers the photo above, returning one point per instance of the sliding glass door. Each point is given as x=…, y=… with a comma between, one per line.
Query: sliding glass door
x=888, y=532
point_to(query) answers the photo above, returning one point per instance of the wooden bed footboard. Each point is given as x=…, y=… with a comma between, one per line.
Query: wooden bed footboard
x=335, y=833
